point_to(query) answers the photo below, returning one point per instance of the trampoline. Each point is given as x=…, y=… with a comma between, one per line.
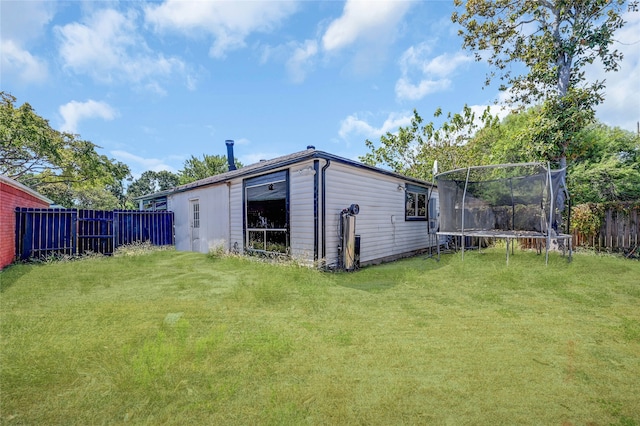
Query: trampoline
x=504, y=201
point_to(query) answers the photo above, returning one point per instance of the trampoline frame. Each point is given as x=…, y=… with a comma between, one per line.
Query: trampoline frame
x=505, y=234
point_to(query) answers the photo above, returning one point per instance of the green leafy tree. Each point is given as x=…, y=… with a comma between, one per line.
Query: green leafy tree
x=609, y=167
x=605, y=161
x=57, y=164
x=413, y=149
x=518, y=138
x=554, y=40
x=210, y=165
x=503, y=142
x=151, y=182
x=29, y=146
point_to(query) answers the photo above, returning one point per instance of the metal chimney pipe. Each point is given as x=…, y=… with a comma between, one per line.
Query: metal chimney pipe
x=230, y=159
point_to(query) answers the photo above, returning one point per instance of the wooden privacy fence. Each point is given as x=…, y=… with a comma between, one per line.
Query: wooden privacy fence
x=46, y=232
x=620, y=231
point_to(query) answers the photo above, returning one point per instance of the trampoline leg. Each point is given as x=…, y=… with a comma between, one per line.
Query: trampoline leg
x=507, y=251
x=546, y=254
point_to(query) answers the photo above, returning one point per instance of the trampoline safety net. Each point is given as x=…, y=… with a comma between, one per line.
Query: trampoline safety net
x=507, y=200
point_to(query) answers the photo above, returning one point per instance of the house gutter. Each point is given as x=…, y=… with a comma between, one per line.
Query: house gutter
x=229, y=245
x=316, y=218
x=324, y=210
x=258, y=168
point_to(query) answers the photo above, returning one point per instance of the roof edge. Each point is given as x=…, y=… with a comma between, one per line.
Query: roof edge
x=276, y=163
x=14, y=183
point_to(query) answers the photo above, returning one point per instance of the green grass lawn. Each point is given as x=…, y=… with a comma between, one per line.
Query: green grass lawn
x=183, y=338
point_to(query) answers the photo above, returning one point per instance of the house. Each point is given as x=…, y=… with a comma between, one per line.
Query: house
x=316, y=207
x=14, y=194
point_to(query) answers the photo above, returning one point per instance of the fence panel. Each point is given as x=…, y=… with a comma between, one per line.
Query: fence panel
x=95, y=232
x=45, y=232
x=134, y=225
x=620, y=231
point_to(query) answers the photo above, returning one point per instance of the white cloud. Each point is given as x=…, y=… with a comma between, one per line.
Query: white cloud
x=446, y=64
x=365, y=20
x=108, y=48
x=22, y=21
x=140, y=163
x=406, y=90
x=230, y=23
x=416, y=56
x=353, y=125
x=255, y=157
x=422, y=75
x=73, y=112
x=21, y=63
x=20, y=24
x=302, y=60
x=622, y=94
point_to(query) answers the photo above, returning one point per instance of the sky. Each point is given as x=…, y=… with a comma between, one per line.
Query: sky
x=153, y=83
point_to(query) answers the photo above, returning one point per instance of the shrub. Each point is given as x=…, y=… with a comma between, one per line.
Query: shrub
x=587, y=218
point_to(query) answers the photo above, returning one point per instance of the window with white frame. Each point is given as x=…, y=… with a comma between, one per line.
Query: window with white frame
x=415, y=202
x=195, y=211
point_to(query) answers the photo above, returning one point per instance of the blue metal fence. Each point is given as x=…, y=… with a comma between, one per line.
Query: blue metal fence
x=45, y=232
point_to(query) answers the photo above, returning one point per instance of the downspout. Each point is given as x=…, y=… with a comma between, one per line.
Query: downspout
x=324, y=211
x=229, y=246
x=316, y=219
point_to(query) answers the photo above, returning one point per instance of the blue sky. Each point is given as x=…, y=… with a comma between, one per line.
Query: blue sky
x=153, y=83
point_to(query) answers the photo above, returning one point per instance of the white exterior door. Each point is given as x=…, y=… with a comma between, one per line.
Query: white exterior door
x=195, y=224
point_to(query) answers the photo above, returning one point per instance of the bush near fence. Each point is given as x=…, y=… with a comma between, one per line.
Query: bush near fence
x=608, y=226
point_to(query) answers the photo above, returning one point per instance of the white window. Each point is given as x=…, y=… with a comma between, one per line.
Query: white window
x=196, y=214
x=415, y=203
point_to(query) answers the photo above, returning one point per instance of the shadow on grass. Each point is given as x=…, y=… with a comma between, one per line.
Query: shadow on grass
x=11, y=274
x=381, y=277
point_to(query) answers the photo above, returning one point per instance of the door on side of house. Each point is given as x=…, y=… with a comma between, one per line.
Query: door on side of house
x=194, y=224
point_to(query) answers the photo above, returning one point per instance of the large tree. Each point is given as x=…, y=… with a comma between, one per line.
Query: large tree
x=195, y=168
x=57, y=164
x=554, y=40
x=604, y=161
x=151, y=182
x=413, y=150
x=608, y=168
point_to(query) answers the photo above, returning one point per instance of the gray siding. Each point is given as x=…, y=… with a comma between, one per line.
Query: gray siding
x=214, y=218
x=301, y=212
x=236, y=216
x=381, y=222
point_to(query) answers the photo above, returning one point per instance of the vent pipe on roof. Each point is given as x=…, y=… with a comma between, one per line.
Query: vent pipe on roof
x=230, y=159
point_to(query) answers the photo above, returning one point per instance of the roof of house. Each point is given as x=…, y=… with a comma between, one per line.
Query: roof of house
x=275, y=163
x=14, y=183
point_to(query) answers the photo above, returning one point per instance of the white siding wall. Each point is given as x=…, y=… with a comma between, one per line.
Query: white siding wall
x=236, y=216
x=301, y=214
x=214, y=217
x=380, y=223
